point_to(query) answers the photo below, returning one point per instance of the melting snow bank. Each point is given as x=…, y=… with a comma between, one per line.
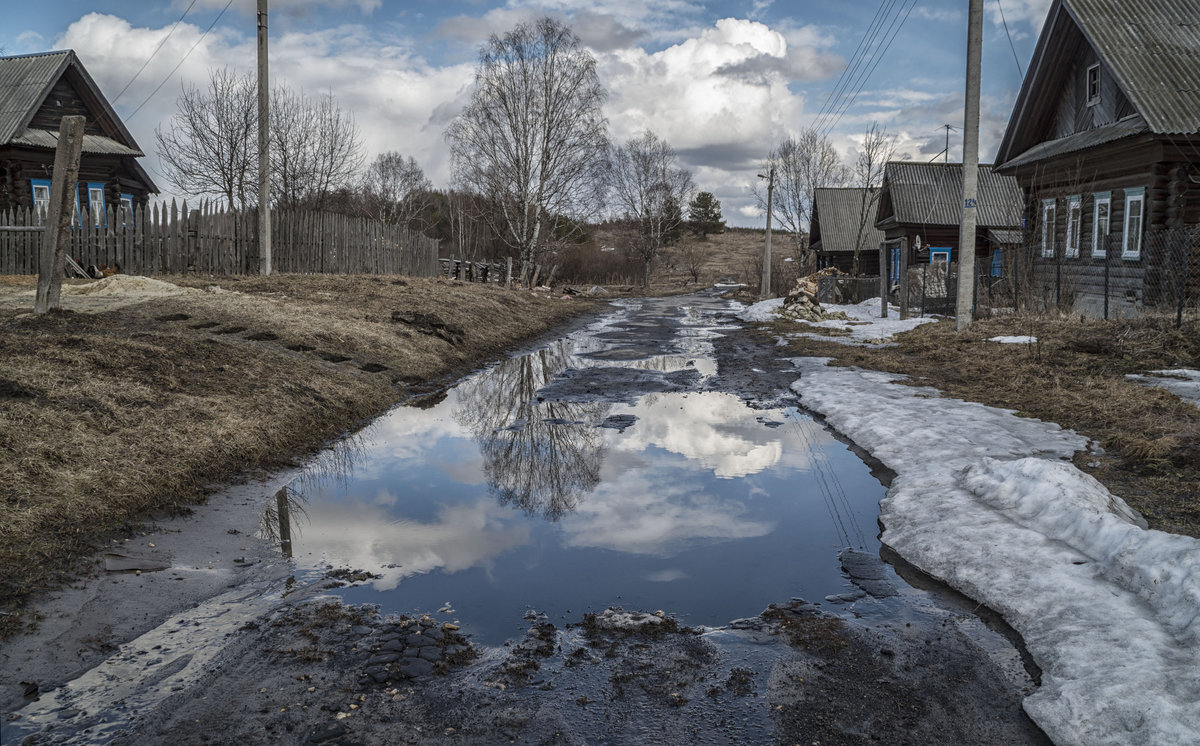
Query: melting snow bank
x=1182, y=382
x=984, y=500
x=863, y=322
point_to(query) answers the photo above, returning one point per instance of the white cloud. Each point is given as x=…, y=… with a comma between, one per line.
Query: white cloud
x=290, y=7
x=1023, y=16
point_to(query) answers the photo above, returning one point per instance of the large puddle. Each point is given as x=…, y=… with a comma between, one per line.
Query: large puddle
x=600, y=470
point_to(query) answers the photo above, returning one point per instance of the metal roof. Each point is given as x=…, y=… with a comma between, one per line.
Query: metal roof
x=24, y=83
x=1130, y=125
x=91, y=143
x=931, y=194
x=837, y=215
x=1006, y=236
x=1153, y=48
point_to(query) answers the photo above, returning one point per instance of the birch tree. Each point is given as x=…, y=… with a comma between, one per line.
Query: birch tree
x=877, y=149
x=649, y=188
x=316, y=149
x=395, y=189
x=803, y=164
x=533, y=138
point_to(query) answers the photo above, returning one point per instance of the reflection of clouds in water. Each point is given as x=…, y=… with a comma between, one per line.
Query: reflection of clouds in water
x=640, y=516
x=717, y=430
x=666, y=576
x=366, y=536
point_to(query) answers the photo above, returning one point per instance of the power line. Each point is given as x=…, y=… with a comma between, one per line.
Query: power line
x=1010, y=41
x=878, y=59
x=189, y=52
x=160, y=46
x=855, y=59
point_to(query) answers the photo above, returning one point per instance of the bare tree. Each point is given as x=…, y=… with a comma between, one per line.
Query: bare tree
x=877, y=149
x=803, y=164
x=649, y=188
x=208, y=147
x=315, y=149
x=533, y=138
x=395, y=189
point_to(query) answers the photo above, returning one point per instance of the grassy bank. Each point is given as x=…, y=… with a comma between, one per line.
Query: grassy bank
x=1073, y=375
x=112, y=412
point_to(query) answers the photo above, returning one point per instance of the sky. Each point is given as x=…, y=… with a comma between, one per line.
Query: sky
x=722, y=81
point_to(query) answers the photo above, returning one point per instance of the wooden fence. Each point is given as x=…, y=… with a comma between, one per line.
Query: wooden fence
x=171, y=239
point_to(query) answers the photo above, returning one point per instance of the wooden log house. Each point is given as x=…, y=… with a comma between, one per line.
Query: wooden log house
x=1104, y=139
x=843, y=220
x=36, y=91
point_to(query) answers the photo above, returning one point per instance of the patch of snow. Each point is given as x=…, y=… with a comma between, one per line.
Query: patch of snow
x=866, y=324
x=987, y=501
x=1026, y=340
x=761, y=311
x=1182, y=382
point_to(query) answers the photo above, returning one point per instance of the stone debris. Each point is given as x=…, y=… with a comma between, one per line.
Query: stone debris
x=801, y=303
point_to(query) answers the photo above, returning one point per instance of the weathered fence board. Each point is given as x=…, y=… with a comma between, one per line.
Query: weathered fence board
x=162, y=239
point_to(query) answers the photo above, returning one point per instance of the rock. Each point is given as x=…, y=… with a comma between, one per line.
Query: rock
x=361, y=630
x=394, y=645
x=382, y=658
x=327, y=733
x=432, y=654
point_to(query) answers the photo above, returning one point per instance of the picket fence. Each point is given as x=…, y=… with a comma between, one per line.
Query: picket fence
x=173, y=239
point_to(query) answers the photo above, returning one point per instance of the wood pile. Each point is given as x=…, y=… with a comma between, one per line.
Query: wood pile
x=802, y=304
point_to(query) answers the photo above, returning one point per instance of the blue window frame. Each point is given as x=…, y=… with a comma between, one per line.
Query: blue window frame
x=41, y=199
x=894, y=265
x=95, y=192
x=941, y=254
x=997, y=263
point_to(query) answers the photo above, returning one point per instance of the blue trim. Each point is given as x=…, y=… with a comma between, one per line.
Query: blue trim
x=97, y=185
x=997, y=263
x=46, y=183
x=947, y=250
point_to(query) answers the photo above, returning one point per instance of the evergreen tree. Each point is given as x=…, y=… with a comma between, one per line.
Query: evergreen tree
x=704, y=213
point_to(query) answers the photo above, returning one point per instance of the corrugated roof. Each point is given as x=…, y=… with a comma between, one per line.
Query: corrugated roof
x=1130, y=125
x=24, y=83
x=1153, y=48
x=1008, y=236
x=837, y=215
x=91, y=143
x=931, y=194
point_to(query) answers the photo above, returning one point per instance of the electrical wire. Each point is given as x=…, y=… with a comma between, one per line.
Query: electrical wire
x=177, y=66
x=1010, y=39
x=851, y=69
x=152, y=54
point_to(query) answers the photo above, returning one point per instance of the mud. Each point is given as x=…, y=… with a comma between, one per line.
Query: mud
x=227, y=646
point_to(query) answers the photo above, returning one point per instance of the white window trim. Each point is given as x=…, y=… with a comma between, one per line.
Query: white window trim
x=1048, y=207
x=96, y=209
x=1074, y=224
x=1092, y=100
x=1137, y=194
x=1100, y=241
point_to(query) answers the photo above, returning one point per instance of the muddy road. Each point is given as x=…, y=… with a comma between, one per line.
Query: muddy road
x=630, y=535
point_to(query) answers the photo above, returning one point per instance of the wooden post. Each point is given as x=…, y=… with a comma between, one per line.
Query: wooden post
x=883, y=278
x=54, y=241
x=904, y=278
x=508, y=274
x=537, y=272
x=264, y=150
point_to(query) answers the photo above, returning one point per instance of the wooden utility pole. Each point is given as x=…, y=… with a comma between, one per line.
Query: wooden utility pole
x=58, y=219
x=765, y=291
x=970, y=203
x=264, y=150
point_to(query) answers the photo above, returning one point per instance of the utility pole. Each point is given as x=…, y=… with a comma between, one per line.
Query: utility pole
x=765, y=291
x=970, y=167
x=948, y=127
x=58, y=219
x=264, y=150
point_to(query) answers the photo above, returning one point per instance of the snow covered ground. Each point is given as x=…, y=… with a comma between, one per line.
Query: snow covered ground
x=1026, y=340
x=990, y=503
x=866, y=326
x=1181, y=382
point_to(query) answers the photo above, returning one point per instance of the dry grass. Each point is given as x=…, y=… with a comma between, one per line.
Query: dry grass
x=106, y=418
x=1075, y=376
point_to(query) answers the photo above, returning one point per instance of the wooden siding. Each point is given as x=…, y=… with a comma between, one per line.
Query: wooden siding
x=1074, y=114
x=19, y=165
x=64, y=100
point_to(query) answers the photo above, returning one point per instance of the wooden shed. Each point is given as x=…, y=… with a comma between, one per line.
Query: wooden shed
x=843, y=221
x=36, y=92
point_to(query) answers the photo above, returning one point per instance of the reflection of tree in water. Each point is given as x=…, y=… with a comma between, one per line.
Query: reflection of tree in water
x=284, y=511
x=539, y=457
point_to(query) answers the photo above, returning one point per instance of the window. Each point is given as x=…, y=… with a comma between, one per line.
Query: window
x=96, y=203
x=1074, y=218
x=1131, y=242
x=939, y=254
x=1047, y=227
x=41, y=197
x=1093, y=84
x=1101, y=217
x=894, y=266
x=997, y=263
